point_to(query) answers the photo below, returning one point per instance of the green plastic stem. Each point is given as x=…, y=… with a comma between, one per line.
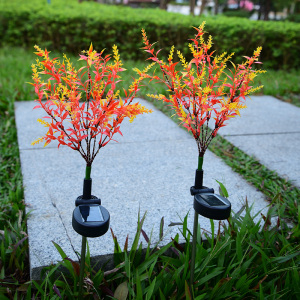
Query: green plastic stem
x=88, y=170
x=194, y=244
x=200, y=162
x=82, y=264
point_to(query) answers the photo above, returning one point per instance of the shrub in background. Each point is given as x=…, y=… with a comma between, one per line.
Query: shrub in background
x=66, y=25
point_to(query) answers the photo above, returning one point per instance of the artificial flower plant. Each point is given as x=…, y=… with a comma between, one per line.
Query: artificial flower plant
x=84, y=108
x=204, y=88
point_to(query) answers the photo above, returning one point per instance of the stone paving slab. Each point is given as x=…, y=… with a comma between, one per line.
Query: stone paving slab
x=269, y=129
x=150, y=169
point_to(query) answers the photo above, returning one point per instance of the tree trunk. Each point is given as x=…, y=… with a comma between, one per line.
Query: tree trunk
x=216, y=7
x=267, y=9
x=192, y=7
x=163, y=4
x=203, y=3
x=261, y=5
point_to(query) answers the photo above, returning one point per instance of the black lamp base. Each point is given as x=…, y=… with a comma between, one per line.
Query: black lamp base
x=206, y=203
x=90, y=218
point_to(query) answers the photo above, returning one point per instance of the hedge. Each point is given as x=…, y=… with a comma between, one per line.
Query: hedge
x=69, y=26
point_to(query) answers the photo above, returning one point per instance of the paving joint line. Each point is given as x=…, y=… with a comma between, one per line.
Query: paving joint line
x=61, y=219
x=267, y=133
x=54, y=205
x=132, y=142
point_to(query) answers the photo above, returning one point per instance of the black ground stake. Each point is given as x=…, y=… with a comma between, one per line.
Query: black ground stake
x=90, y=219
x=208, y=205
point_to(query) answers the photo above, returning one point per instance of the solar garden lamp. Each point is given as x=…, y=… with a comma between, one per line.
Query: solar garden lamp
x=201, y=92
x=207, y=204
x=90, y=219
x=85, y=112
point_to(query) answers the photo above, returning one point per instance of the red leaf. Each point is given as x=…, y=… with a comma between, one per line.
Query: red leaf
x=117, y=129
x=56, y=290
x=145, y=236
x=126, y=243
x=175, y=251
x=75, y=266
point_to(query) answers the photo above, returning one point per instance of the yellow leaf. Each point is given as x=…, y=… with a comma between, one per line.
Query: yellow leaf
x=121, y=292
x=91, y=48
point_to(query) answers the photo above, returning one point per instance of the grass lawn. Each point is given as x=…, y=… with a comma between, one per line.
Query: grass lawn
x=243, y=262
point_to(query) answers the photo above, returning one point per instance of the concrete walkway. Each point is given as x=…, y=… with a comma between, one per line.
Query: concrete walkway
x=269, y=130
x=150, y=169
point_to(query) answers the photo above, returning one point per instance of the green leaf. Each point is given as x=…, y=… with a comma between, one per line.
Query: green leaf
x=38, y=287
x=188, y=295
x=151, y=289
x=285, y=258
x=135, y=243
x=161, y=295
x=213, y=273
x=261, y=292
x=264, y=255
x=223, y=191
x=28, y=294
x=60, y=250
x=64, y=256
x=239, y=251
x=139, y=291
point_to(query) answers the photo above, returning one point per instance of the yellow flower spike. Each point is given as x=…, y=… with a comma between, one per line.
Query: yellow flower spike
x=116, y=94
x=260, y=71
x=137, y=71
x=170, y=58
x=251, y=76
x=183, y=113
x=209, y=43
x=229, y=56
x=202, y=25
x=37, y=48
x=182, y=59
x=257, y=51
x=232, y=105
x=192, y=72
x=158, y=97
x=252, y=90
x=196, y=81
x=206, y=90
x=116, y=54
x=37, y=141
x=193, y=51
x=148, y=68
x=46, y=124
